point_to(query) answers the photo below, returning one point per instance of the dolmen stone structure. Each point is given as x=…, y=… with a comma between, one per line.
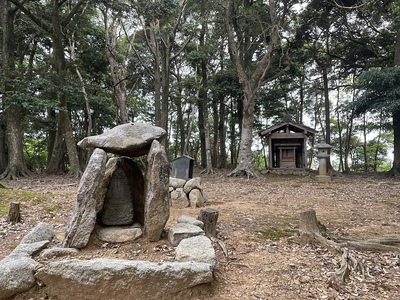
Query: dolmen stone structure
x=125, y=202
x=114, y=192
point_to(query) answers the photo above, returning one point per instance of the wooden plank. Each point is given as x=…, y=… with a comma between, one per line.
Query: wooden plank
x=280, y=135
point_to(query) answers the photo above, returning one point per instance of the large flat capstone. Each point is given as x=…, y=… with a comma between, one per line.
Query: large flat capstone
x=130, y=139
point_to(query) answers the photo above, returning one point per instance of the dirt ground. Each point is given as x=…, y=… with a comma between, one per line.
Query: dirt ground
x=257, y=217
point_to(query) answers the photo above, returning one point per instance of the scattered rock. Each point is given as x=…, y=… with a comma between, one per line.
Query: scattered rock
x=58, y=252
x=176, y=182
x=196, y=198
x=16, y=275
x=192, y=184
x=179, y=198
x=196, y=249
x=41, y=232
x=29, y=249
x=17, y=269
x=190, y=220
x=180, y=231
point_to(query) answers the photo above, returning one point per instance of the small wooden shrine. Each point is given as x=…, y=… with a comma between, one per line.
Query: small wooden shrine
x=287, y=143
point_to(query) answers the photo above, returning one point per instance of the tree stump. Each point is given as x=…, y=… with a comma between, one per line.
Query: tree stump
x=14, y=215
x=309, y=222
x=209, y=217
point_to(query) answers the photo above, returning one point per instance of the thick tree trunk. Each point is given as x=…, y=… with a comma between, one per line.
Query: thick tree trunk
x=245, y=161
x=396, y=118
x=396, y=151
x=16, y=162
x=251, y=82
x=55, y=165
x=59, y=66
x=3, y=155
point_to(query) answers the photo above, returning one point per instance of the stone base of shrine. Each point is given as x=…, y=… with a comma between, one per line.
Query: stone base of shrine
x=287, y=171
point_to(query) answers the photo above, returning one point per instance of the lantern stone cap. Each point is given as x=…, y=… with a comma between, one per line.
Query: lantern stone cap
x=323, y=146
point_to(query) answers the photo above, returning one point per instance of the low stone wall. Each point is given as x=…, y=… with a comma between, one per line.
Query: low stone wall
x=186, y=193
x=101, y=278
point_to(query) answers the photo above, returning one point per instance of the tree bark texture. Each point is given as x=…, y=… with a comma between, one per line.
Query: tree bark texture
x=16, y=162
x=250, y=83
x=308, y=222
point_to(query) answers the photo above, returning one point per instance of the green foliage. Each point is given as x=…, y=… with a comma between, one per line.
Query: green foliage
x=36, y=153
x=381, y=90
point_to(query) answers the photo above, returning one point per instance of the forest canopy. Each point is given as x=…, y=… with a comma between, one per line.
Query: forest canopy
x=211, y=73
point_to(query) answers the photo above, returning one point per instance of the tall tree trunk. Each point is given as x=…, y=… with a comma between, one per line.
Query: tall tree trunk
x=215, y=133
x=365, y=143
x=396, y=118
x=327, y=105
x=250, y=83
x=59, y=67
x=396, y=146
x=201, y=125
x=204, y=100
x=117, y=69
x=154, y=47
x=3, y=155
x=222, y=134
x=16, y=163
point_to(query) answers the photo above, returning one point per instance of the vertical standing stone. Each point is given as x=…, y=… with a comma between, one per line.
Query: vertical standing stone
x=118, y=203
x=156, y=192
x=124, y=201
x=90, y=196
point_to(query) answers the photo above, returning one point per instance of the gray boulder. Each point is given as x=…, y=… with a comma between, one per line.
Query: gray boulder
x=193, y=183
x=196, y=249
x=190, y=220
x=58, y=252
x=157, y=201
x=196, y=198
x=179, y=198
x=121, y=279
x=29, y=250
x=41, y=232
x=17, y=269
x=90, y=197
x=16, y=275
x=180, y=231
x=176, y=182
x=131, y=139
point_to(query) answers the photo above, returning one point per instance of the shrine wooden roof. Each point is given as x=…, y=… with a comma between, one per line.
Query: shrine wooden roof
x=288, y=127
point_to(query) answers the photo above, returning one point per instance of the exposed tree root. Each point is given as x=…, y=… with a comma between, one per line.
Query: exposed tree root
x=75, y=175
x=15, y=173
x=241, y=171
x=309, y=232
x=208, y=171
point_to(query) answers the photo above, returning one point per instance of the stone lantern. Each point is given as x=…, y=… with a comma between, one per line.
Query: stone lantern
x=323, y=156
